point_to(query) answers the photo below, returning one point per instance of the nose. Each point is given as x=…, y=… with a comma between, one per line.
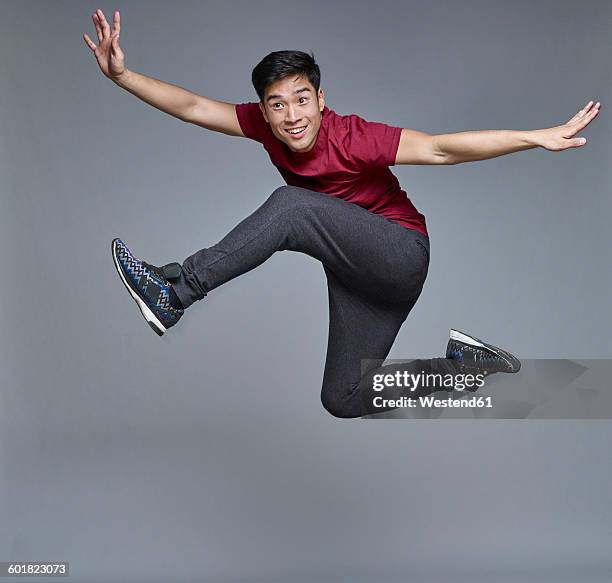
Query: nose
x=292, y=114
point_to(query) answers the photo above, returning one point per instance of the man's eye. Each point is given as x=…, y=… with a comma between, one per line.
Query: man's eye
x=303, y=99
x=274, y=106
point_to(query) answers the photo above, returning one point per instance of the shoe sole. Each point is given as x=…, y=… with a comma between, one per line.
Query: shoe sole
x=513, y=362
x=146, y=312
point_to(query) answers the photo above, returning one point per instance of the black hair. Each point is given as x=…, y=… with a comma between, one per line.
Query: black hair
x=281, y=64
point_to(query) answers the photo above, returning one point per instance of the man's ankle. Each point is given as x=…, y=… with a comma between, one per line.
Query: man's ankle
x=175, y=301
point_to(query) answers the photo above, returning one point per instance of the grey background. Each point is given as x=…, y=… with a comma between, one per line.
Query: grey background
x=206, y=455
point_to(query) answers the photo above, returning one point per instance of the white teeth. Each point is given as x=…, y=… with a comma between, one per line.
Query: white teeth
x=296, y=130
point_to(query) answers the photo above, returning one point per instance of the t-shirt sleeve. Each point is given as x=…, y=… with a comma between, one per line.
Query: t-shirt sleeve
x=252, y=122
x=373, y=144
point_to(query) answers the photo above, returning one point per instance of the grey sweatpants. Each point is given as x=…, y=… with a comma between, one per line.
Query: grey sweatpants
x=375, y=271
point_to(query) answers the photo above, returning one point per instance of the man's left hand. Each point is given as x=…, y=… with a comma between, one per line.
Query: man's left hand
x=563, y=137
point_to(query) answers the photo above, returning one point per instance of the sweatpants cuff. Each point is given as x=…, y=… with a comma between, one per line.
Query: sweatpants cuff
x=188, y=289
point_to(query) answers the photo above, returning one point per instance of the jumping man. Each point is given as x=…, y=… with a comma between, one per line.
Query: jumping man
x=341, y=205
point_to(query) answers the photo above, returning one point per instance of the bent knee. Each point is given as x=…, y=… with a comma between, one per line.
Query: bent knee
x=343, y=408
x=283, y=192
x=291, y=195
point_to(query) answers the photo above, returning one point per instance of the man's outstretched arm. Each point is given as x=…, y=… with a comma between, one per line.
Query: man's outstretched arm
x=420, y=148
x=176, y=101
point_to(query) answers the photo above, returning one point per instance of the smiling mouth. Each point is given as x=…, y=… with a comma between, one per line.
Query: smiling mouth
x=296, y=131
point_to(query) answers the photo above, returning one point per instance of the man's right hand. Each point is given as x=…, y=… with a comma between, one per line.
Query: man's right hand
x=108, y=53
x=189, y=107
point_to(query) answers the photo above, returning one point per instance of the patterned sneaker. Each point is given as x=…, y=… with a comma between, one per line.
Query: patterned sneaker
x=473, y=353
x=149, y=286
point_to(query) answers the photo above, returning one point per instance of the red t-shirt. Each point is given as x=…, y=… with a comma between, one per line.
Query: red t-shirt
x=350, y=160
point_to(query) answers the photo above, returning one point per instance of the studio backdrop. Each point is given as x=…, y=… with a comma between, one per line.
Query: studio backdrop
x=205, y=455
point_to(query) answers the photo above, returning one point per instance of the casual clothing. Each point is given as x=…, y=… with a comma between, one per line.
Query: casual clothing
x=344, y=207
x=373, y=256
x=375, y=271
x=350, y=160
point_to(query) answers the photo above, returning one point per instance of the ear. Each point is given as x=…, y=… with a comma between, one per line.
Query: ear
x=263, y=111
x=321, y=100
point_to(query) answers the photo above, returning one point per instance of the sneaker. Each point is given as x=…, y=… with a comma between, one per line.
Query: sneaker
x=473, y=353
x=149, y=286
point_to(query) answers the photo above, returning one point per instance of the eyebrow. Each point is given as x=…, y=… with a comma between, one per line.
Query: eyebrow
x=275, y=96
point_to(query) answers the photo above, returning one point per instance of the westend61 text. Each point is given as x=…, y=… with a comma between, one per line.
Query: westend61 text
x=429, y=401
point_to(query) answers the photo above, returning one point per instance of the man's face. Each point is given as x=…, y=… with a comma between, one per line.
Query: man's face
x=292, y=104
